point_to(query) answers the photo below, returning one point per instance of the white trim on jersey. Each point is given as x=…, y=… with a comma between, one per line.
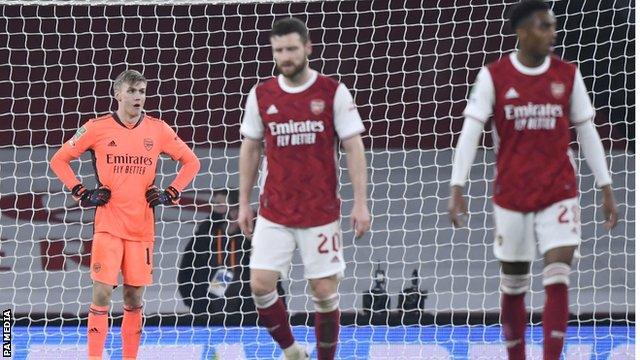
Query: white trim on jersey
x=482, y=97
x=581, y=108
x=297, y=89
x=495, y=136
x=252, y=126
x=346, y=119
x=523, y=69
x=263, y=176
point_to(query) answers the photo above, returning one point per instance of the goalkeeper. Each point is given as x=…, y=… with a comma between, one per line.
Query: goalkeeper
x=125, y=146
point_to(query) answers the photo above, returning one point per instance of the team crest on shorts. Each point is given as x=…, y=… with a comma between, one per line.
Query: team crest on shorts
x=557, y=89
x=317, y=106
x=97, y=267
x=148, y=143
x=499, y=240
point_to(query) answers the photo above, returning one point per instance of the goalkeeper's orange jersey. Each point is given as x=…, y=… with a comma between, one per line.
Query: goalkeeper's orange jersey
x=125, y=160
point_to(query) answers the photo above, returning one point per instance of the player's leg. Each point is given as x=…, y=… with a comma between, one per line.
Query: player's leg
x=514, y=246
x=272, y=247
x=514, y=284
x=327, y=317
x=558, y=231
x=106, y=257
x=132, y=321
x=137, y=270
x=322, y=255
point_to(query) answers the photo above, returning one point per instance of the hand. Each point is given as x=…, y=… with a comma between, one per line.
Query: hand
x=457, y=207
x=95, y=197
x=245, y=220
x=155, y=196
x=609, y=208
x=360, y=219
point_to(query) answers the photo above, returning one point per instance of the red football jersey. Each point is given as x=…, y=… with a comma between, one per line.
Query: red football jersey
x=300, y=127
x=532, y=112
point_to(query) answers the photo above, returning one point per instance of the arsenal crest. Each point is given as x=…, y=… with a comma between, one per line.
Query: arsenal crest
x=317, y=106
x=557, y=89
x=148, y=143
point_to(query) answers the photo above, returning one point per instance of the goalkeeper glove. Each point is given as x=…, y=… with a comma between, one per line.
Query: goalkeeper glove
x=156, y=196
x=95, y=197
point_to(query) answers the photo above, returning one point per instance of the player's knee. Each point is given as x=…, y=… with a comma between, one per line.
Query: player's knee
x=514, y=284
x=328, y=304
x=101, y=299
x=132, y=296
x=264, y=301
x=556, y=273
x=260, y=287
x=325, y=287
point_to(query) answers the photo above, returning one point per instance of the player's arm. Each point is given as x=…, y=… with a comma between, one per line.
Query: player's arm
x=250, y=153
x=357, y=167
x=348, y=126
x=581, y=116
x=189, y=166
x=479, y=109
x=71, y=150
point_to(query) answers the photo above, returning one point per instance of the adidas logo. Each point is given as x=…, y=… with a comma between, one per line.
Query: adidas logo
x=335, y=259
x=272, y=110
x=557, y=334
x=112, y=143
x=93, y=331
x=511, y=94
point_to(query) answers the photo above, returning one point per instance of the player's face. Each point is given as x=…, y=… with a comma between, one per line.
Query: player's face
x=290, y=54
x=131, y=98
x=539, y=36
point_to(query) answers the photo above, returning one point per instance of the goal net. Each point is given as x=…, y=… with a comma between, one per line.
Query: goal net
x=409, y=65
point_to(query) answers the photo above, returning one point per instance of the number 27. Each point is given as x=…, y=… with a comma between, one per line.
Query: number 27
x=562, y=218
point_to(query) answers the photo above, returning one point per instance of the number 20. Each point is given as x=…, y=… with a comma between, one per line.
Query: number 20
x=335, y=243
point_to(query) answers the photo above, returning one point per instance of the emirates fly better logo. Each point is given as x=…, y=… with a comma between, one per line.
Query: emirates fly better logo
x=295, y=132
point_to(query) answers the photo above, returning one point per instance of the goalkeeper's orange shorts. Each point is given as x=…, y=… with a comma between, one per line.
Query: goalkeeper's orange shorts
x=110, y=254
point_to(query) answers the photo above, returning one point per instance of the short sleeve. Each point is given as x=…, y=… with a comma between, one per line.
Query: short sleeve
x=482, y=98
x=82, y=140
x=346, y=118
x=580, y=103
x=252, y=126
x=172, y=144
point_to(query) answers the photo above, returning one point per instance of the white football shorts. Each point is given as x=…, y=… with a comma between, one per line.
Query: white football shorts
x=320, y=247
x=517, y=233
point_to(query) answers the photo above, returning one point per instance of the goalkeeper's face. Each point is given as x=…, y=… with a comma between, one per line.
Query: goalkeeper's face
x=131, y=98
x=290, y=54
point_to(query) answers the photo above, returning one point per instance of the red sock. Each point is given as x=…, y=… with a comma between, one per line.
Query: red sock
x=276, y=320
x=327, y=326
x=97, y=328
x=554, y=320
x=513, y=317
x=131, y=331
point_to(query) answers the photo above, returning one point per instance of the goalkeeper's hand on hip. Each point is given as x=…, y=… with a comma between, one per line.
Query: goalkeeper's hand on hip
x=95, y=197
x=168, y=196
